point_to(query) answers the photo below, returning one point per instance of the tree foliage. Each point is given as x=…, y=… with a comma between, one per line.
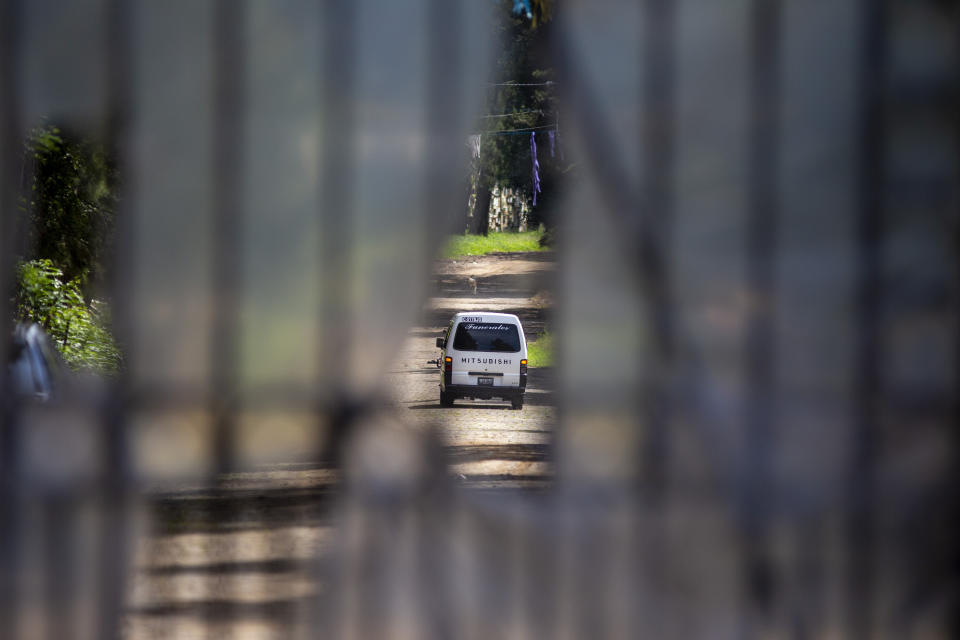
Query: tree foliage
x=78, y=329
x=71, y=203
x=523, y=58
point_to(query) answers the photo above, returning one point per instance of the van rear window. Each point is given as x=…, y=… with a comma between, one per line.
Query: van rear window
x=487, y=336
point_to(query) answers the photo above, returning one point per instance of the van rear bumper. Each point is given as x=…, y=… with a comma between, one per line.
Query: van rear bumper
x=476, y=391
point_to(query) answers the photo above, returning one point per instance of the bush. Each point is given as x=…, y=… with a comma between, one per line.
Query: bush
x=494, y=242
x=79, y=330
x=546, y=239
x=540, y=351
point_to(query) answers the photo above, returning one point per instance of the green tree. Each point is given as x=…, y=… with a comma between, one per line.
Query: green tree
x=77, y=328
x=71, y=203
x=524, y=58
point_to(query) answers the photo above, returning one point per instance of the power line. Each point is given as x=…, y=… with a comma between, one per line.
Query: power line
x=510, y=133
x=515, y=113
x=526, y=129
x=522, y=84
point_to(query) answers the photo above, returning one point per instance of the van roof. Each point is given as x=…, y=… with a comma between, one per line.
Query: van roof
x=488, y=315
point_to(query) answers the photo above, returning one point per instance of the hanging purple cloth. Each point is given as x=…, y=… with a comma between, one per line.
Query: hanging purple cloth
x=550, y=138
x=536, y=168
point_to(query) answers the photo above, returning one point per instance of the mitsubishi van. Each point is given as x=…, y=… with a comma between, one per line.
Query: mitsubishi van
x=484, y=356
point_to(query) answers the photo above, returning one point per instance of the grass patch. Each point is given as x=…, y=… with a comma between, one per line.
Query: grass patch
x=495, y=242
x=540, y=353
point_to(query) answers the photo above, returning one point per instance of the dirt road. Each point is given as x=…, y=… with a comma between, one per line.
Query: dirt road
x=241, y=561
x=486, y=440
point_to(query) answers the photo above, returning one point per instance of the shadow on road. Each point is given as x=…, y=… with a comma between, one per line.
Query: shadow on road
x=219, y=510
x=533, y=319
x=531, y=399
x=285, y=565
x=501, y=285
x=499, y=407
x=510, y=452
x=281, y=610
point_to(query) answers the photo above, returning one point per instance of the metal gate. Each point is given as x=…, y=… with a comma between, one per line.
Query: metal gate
x=756, y=311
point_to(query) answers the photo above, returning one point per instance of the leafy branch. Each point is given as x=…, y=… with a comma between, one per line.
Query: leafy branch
x=79, y=330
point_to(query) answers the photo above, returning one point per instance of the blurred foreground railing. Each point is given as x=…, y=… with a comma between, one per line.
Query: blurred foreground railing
x=756, y=302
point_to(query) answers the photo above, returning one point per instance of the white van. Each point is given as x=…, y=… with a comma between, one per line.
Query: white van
x=484, y=356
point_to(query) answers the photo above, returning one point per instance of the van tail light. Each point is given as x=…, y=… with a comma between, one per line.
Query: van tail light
x=523, y=374
x=447, y=370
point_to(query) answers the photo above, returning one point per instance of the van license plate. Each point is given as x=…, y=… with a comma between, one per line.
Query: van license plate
x=485, y=382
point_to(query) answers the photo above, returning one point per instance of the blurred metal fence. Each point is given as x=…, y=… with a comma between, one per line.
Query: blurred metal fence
x=757, y=313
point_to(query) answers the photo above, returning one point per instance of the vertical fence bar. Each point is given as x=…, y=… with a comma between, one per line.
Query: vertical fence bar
x=656, y=188
x=118, y=483
x=11, y=161
x=953, y=624
x=11, y=150
x=227, y=228
x=58, y=520
x=337, y=29
x=443, y=105
x=658, y=130
x=442, y=94
x=646, y=261
x=861, y=510
x=339, y=51
x=226, y=232
x=759, y=343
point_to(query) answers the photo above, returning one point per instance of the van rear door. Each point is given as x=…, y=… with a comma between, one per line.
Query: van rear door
x=486, y=353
